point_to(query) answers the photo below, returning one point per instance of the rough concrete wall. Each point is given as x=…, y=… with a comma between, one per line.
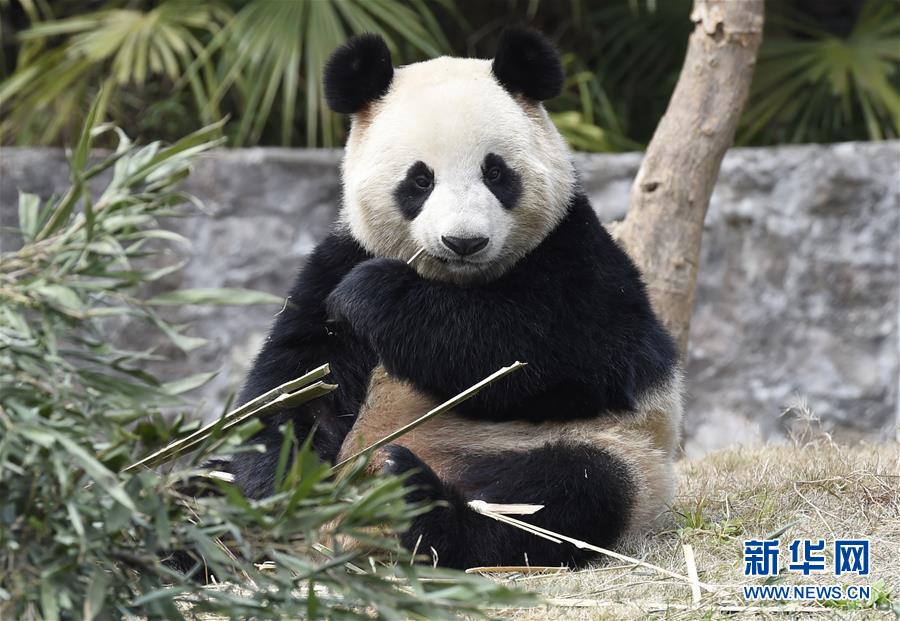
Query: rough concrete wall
x=798, y=292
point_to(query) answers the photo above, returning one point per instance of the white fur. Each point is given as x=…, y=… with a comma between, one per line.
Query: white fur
x=450, y=113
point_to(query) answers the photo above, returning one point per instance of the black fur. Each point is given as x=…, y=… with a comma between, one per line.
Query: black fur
x=585, y=491
x=574, y=309
x=358, y=73
x=503, y=182
x=414, y=190
x=300, y=340
x=527, y=63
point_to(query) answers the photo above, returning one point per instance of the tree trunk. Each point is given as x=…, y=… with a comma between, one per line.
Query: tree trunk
x=671, y=193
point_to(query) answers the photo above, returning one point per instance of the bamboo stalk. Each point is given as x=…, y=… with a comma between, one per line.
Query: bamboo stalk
x=290, y=393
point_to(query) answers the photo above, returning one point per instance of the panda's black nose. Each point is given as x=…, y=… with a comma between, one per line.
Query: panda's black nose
x=464, y=246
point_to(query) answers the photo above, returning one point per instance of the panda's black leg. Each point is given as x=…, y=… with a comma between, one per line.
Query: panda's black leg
x=439, y=533
x=585, y=491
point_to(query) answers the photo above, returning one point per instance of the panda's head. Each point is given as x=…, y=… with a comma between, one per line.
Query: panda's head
x=453, y=156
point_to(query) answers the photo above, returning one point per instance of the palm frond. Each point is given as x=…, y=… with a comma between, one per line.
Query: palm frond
x=270, y=48
x=812, y=85
x=118, y=47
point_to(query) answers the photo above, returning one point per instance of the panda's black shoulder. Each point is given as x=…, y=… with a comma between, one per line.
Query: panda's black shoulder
x=581, y=239
x=582, y=249
x=597, y=279
x=329, y=262
x=336, y=252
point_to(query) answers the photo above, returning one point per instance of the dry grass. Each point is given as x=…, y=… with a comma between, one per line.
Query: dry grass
x=817, y=490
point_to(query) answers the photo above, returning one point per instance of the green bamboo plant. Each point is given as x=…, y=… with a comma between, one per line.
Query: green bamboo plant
x=86, y=511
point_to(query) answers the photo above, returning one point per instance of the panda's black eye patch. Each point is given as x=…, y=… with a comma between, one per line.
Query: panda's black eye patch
x=414, y=190
x=501, y=180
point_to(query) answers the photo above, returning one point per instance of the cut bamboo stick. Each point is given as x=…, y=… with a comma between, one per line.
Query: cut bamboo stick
x=692, y=572
x=510, y=509
x=479, y=506
x=517, y=569
x=413, y=258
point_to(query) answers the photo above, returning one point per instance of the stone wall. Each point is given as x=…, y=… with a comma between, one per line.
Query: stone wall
x=797, y=300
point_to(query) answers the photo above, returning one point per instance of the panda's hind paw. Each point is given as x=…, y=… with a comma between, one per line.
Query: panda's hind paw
x=422, y=484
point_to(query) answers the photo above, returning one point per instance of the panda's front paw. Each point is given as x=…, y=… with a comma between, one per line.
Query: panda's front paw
x=365, y=292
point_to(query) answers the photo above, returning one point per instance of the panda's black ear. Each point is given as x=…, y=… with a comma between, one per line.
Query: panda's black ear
x=357, y=73
x=527, y=63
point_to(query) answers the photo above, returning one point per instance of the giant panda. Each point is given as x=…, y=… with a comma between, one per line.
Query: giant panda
x=457, y=157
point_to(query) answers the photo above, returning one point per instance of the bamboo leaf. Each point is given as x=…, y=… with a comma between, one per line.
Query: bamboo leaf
x=97, y=471
x=94, y=117
x=222, y=296
x=96, y=595
x=29, y=214
x=189, y=383
x=62, y=296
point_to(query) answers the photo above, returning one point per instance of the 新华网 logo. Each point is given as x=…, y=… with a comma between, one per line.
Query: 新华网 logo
x=762, y=558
